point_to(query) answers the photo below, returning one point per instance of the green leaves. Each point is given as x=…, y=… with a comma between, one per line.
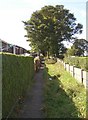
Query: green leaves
x=80, y=62
x=51, y=25
x=78, y=48
x=18, y=72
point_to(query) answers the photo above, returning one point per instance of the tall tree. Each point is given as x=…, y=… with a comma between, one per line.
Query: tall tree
x=80, y=45
x=48, y=27
x=78, y=48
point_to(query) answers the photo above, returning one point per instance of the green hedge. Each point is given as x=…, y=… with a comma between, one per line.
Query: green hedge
x=81, y=62
x=17, y=74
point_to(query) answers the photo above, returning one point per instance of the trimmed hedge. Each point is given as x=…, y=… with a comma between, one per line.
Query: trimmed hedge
x=81, y=62
x=17, y=75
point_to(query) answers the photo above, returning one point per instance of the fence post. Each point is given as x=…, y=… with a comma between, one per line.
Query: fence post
x=64, y=66
x=82, y=75
x=73, y=71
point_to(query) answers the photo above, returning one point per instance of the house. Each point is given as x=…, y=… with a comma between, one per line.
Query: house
x=10, y=48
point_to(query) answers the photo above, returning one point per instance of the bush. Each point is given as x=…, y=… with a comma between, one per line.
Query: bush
x=81, y=62
x=17, y=74
x=61, y=57
x=51, y=61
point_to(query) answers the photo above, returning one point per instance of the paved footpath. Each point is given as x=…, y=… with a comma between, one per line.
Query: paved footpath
x=33, y=102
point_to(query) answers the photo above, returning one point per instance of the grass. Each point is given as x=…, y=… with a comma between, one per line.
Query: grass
x=51, y=61
x=64, y=97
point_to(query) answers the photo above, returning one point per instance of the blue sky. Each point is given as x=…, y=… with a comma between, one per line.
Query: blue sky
x=13, y=12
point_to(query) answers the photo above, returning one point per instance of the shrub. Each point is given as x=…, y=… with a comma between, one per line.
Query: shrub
x=61, y=57
x=51, y=61
x=80, y=62
x=17, y=74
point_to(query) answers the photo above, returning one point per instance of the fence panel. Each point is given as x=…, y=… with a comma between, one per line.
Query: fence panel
x=78, y=74
x=67, y=67
x=72, y=70
x=85, y=78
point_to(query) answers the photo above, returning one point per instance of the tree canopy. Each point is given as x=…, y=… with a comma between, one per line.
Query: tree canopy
x=78, y=48
x=80, y=45
x=48, y=27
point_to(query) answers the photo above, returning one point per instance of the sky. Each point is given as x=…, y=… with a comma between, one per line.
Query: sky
x=13, y=12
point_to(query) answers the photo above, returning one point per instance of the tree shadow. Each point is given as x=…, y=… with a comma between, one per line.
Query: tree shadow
x=58, y=104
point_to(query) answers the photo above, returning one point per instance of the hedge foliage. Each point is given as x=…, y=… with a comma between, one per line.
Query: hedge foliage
x=81, y=62
x=17, y=74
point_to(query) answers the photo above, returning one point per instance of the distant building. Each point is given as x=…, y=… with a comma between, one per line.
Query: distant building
x=10, y=48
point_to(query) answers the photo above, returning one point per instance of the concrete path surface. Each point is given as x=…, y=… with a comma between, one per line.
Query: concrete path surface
x=33, y=103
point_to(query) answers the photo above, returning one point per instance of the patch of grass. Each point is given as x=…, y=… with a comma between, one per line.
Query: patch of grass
x=64, y=97
x=51, y=61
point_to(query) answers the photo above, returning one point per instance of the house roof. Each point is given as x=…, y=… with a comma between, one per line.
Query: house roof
x=11, y=44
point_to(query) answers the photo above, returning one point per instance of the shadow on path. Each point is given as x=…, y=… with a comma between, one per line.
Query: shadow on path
x=33, y=103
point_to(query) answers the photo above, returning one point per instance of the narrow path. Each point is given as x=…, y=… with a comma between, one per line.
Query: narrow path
x=33, y=103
